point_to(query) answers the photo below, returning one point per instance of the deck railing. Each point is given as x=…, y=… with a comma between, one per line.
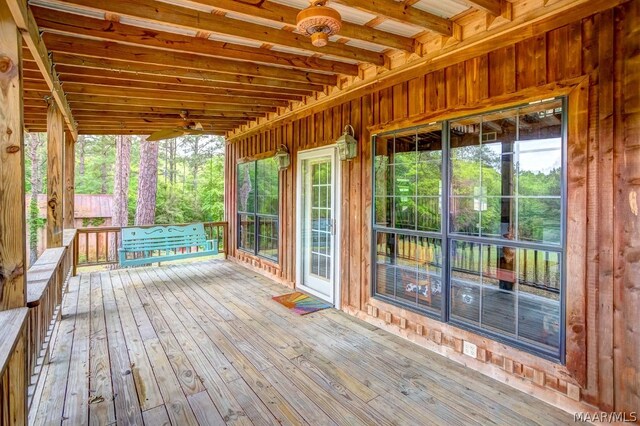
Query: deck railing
x=13, y=386
x=99, y=245
x=25, y=333
x=46, y=282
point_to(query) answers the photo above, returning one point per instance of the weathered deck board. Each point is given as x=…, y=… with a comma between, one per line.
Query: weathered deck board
x=206, y=345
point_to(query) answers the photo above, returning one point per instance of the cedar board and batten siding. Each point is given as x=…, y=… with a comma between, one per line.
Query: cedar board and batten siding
x=595, y=61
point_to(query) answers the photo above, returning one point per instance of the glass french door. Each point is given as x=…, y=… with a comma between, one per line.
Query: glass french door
x=318, y=225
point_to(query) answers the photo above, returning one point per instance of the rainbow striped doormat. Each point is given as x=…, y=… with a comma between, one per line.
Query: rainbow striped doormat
x=301, y=303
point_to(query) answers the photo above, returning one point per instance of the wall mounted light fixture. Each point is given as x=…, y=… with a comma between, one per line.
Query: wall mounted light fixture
x=283, y=157
x=347, y=144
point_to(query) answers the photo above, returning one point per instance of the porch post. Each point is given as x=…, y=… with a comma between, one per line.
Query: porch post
x=69, y=180
x=13, y=232
x=55, y=183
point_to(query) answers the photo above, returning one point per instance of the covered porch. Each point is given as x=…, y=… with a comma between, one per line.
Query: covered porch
x=204, y=343
x=458, y=178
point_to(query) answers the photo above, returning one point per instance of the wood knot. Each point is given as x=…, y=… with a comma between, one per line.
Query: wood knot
x=7, y=67
x=12, y=149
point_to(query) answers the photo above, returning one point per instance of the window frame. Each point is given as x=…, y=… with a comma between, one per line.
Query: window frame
x=258, y=216
x=447, y=236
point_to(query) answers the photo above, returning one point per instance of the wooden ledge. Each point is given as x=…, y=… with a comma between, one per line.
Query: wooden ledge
x=11, y=326
x=41, y=273
x=68, y=237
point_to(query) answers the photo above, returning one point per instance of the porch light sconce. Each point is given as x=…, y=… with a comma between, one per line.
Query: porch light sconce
x=283, y=157
x=347, y=144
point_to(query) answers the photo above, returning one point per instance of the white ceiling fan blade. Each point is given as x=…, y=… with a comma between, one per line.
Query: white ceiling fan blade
x=166, y=134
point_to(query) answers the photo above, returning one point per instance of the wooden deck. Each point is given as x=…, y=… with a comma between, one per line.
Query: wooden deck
x=204, y=343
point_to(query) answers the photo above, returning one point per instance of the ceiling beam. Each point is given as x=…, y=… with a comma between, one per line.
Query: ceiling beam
x=91, y=108
x=26, y=23
x=166, y=103
x=80, y=115
x=172, y=96
x=103, y=49
x=401, y=12
x=66, y=23
x=99, y=68
x=119, y=92
x=31, y=82
x=140, y=124
x=287, y=15
x=183, y=17
x=493, y=7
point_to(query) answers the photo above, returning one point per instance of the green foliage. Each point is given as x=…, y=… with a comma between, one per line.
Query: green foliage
x=185, y=198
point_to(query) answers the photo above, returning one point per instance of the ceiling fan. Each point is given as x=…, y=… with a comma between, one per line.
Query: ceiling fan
x=190, y=128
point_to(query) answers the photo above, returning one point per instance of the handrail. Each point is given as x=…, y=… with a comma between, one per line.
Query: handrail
x=13, y=404
x=98, y=246
x=46, y=282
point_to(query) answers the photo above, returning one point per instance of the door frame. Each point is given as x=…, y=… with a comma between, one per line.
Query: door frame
x=328, y=150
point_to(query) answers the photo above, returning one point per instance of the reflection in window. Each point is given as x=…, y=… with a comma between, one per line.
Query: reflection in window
x=258, y=187
x=504, y=179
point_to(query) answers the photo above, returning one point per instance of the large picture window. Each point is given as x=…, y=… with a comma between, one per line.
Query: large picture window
x=258, y=207
x=469, y=220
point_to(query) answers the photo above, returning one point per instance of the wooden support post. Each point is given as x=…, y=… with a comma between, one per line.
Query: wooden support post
x=69, y=180
x=55, y=181
x=12, y=209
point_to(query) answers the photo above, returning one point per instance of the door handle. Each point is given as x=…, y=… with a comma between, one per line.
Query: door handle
x=332, y=226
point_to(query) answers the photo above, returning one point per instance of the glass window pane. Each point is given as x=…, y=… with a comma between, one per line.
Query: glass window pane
x=384, y=211
x=405, y=212
x=429, y=144
x=539, y=220
x=499, y=288
x=428, y=209
x=540, y=121
x=539, y=297
x=465, y=152
x=386, y=247
x=539, y=171
x=268, y=237
x=429, y=259
x=405, y=148
x=465, y=215
x=407, y=285
x=246, y=187
x=267, y=175
x=246, y=232
x=497, y=217
x=385, y=261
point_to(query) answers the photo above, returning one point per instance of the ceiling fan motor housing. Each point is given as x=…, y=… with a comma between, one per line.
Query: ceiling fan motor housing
x=319, y=22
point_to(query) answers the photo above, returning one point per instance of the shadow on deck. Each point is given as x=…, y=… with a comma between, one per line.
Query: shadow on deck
x=204, y=343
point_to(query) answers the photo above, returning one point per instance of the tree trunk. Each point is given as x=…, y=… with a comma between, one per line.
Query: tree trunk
x=103, y=172
x=120, y=212
x=80, y=143
x=147, y=184
x=33, y=140
x=196, y=163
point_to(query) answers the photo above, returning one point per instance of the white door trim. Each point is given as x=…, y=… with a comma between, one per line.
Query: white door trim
x=337, y=240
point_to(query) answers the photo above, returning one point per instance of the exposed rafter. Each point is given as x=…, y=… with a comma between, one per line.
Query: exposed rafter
x=182, y=17
x=66, y=23
x=72, y=83
x=103, y=68
x=493, y=7
x=27, y=25
x=287, y=15
x=402, y=12
x=101, y=49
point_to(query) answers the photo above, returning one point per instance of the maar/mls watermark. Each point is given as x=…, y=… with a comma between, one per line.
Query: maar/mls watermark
x=606, y=417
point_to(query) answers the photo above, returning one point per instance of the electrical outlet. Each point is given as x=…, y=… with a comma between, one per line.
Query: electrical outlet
x=469, y=349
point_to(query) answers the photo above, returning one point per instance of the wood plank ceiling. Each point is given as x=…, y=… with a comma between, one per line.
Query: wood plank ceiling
x=133, y=66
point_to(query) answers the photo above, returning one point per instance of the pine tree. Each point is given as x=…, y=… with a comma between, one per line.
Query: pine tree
x=147, y=184
x=120, y=212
